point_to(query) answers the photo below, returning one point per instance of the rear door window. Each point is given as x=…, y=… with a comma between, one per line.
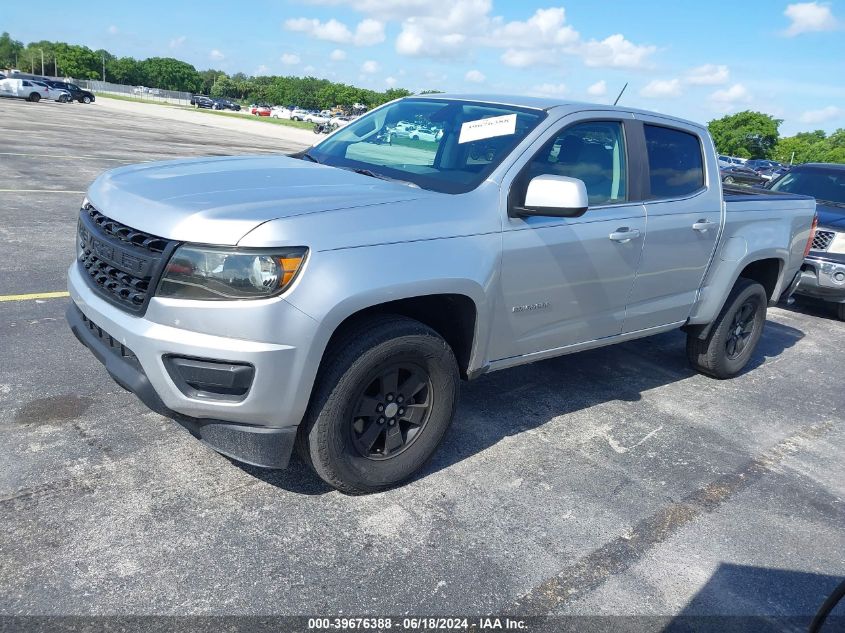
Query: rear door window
x=676, y=165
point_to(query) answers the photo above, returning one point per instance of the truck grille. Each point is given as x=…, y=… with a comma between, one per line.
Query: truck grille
x=122, y=264
x=822, y=240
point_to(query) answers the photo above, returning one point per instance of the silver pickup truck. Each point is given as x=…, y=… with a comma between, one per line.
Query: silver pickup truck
x=334, y=299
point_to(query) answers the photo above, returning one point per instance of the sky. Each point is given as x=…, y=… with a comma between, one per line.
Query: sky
x=699, y=61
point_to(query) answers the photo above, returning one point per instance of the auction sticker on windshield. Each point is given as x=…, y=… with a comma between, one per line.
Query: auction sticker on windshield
x=487, y=128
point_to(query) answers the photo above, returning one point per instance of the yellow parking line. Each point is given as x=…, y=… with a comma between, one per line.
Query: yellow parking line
x=35, y=295
x=120, y=160
x=39, y=191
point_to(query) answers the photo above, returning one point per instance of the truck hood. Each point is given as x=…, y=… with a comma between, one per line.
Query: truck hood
x=830, y=216
x=219, y=200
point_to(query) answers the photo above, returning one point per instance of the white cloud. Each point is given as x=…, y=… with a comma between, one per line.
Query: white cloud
x=261, y=70
x=216, y=55
x=475, y=76
x=549, y=90
x=337, y=55
x=390, y=81
x=808, y=17
x=309, y=69
x=727, y=99
x=616, y=52
x=830, y=113
x=598, y=89
x=662, y=89
x=367, y=32
x=708, y=75
x=545, y=28
x=454, y=29
x=113, y=29
x=370, y=67
x=734, y=94
x=176, y=42
x=290, y=59
x=516, y=58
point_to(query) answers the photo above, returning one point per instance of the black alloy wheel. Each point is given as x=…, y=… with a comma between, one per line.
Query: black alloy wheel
x=392, y=411
x=741, y=329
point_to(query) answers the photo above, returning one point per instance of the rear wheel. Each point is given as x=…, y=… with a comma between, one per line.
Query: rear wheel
x=381, y=405
x=735, y=333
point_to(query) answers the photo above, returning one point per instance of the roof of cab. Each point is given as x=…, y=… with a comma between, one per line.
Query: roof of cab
x=546, y=103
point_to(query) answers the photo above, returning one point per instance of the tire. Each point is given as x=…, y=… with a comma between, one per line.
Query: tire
x=365, y=373
x=735, y=333
x=840, y=311
x=86, y=100
x=729, y=180
x=34, y=97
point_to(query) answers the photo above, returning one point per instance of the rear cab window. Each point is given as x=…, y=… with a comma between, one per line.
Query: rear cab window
x=676, y=162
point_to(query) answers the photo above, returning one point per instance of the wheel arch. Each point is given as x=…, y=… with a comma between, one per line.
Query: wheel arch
x=766, y=269
x=453, y=315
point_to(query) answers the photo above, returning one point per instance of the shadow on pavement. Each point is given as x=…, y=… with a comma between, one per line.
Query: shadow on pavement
x=526, y=397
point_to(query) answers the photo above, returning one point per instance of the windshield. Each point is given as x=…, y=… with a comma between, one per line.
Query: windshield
x=443, y=145
x=821, y=183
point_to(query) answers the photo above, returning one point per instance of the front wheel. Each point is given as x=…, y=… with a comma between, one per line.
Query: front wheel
x=382, y=403
x=34, y=97
x=86, y=100
x=735, y=333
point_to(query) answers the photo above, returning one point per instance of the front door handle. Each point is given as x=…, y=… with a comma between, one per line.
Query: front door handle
x=703, y=225
x=624, y=235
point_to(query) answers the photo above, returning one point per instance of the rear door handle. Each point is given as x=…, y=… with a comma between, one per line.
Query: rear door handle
x=703, y=225
x=624, y=235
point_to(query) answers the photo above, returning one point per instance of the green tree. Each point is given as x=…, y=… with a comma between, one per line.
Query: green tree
x=9, y=51
x=124, y=70
x=745, y=134
x=209, y=77
x=170, y=74
x=224, y=87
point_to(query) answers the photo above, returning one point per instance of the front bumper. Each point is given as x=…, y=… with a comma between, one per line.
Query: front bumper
x=822, y=279
x=258, y=428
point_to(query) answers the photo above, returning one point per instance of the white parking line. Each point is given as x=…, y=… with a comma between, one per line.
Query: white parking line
x=39, y=191
x=120, y=160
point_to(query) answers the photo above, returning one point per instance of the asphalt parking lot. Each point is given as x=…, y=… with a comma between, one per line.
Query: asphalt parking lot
x=616, y=481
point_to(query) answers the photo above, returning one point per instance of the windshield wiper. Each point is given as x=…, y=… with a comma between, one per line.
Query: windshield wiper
x=305, y=156
x=368, y=172
x=830, y=203
x=371, y=174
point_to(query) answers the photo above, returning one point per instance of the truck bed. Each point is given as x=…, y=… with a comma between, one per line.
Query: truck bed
x=746, y=194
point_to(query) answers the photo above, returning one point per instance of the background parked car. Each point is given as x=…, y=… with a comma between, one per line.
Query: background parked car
x=823, y=272
x=202, y=101
x=76, y=93
x=53, y=94
x=298, y=114
x=280, y=112
x=739, y=175
x=226, y=104
x=260, y=110
x=22, y=89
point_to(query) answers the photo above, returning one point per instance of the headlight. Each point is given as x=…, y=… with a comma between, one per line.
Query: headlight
x=213, y=274
x=838, y=244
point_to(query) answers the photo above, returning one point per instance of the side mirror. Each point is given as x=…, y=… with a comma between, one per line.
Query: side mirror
x=555, y=196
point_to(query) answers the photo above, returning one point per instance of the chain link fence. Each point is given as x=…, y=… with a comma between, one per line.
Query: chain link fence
x=137, y=92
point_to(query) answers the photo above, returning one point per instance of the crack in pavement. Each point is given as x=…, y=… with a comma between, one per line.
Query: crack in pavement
x=620, y=554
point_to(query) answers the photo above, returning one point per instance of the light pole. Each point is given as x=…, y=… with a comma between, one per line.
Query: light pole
x=42, y=60
x=104, y=68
